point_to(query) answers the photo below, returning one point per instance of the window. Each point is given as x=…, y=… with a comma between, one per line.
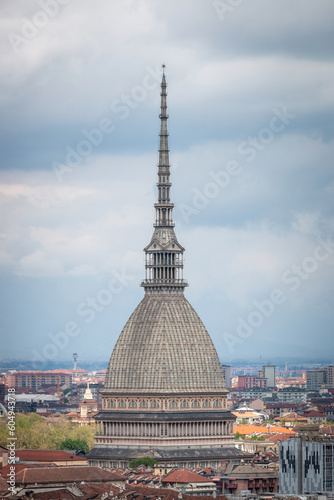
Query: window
x=173, y=404
x=122, y=404
x=217, y=404
x=184, y=404
x=112, y=404
x=195, y=404
x=143, y=404
x=132, y=404
x=154, y=404
x=206, y=403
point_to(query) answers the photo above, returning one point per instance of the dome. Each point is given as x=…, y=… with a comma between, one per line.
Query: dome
x=164, y=348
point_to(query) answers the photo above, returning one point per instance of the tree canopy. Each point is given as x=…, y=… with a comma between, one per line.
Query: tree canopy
x=147, y=461
x=35, y=432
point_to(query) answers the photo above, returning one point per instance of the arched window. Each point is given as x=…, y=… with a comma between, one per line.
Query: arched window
x=217, y=404
x=173, y=404
x=122, y=404
x=154, y=404
x=112, y=404
x=132, y=404
x=184, y=404
x=206, y=403
x=195, y=404
x=143, y=404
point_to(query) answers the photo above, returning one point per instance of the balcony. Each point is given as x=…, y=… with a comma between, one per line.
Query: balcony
x=164, y=282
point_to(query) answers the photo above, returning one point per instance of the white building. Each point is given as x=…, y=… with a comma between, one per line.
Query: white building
x=292, y=395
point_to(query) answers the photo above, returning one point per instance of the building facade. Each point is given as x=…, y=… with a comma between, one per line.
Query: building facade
x=164, y=393
x=37, y=379
x=306, y=466
x=250, y=381
x=330, y=376
x=292, y=395
x=315, y=379
x=269, y=372
x=227, y=375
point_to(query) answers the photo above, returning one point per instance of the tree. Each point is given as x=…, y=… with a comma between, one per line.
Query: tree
x=75, y=444
x=147, y=461
x=237, y=435
x=34, y=432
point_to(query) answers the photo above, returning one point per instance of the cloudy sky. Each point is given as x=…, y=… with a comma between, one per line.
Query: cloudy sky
x=250, y=100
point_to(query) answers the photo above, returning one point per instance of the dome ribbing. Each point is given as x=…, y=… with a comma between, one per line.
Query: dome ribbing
x=164, y=348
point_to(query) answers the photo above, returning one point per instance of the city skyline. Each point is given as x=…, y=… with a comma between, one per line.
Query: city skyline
x=251, y=143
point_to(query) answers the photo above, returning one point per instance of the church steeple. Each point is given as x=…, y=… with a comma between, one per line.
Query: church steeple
x=164, y=255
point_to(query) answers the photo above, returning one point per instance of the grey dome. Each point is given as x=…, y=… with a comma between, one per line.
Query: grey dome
x=164, y=348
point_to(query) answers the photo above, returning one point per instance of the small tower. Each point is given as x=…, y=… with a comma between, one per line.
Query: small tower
x=88, y=393
x=75, y=357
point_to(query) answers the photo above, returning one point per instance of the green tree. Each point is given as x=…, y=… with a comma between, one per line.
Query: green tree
x=237, y=435
x=75, y=444
x=147, y=461
x=34, y=432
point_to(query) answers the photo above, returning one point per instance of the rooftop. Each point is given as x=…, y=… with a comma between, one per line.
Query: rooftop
x=47, y=456
x=50, y=475
x=184, y=476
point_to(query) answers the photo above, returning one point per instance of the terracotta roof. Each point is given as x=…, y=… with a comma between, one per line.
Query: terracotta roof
x=327, y=429
x=279, y=437
x=184, y=476
x=50, y=475
x=47, y=456
x=144, y=493
x=258, y=429
x=59, y=493
x=246, y=414
x=3, y=485
x=18, y=467
x=314, y=414
x=292, y=416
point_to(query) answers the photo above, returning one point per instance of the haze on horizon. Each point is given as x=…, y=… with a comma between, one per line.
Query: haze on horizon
x=250, y=100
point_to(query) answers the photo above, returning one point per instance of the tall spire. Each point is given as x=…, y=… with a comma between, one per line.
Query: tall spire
x=163, y=148
x=164, y=255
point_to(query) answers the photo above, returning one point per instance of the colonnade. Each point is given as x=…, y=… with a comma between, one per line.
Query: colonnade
x=169, y=429
x=164, y=266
